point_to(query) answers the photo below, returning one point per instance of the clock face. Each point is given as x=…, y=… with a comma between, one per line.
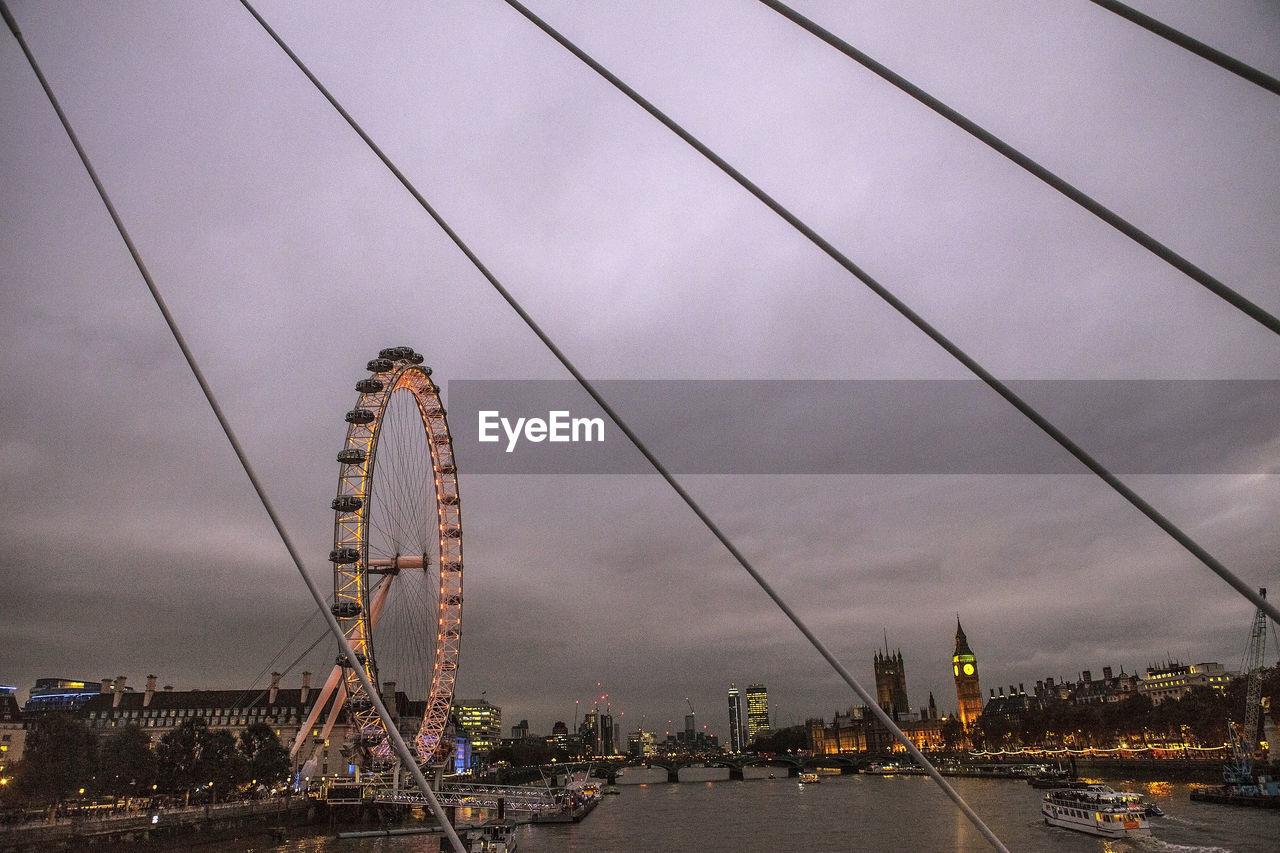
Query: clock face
x=968, y=669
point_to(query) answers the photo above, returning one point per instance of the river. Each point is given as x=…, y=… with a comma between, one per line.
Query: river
x=846, y=813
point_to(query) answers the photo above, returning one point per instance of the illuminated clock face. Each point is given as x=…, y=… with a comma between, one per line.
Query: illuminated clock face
x=968, y=669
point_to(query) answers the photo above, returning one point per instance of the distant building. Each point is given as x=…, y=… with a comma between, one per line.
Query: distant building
x=891, y=682
x=735, y=720
x=757, y=712
x=1175, y=680
x=481, y=722
x=64, y=694
x=322, y=747
x=641, y=744
x=1013, y=706
x=520, y=730
x=12, y=735
x=560, y=735
x=605, y=744
x=964, y=667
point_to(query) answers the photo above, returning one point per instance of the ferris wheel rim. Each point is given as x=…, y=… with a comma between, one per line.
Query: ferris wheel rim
x=397, y=371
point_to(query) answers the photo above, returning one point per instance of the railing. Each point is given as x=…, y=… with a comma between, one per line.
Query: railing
x=513, y=797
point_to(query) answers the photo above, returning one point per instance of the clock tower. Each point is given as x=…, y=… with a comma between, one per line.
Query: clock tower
x=965, y=669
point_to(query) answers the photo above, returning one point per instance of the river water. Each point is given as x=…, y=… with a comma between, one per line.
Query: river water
x=848, y=813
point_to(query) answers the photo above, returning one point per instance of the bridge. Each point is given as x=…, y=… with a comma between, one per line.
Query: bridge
x=608, y=769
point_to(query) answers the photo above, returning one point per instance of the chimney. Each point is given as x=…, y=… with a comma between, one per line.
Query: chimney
x=1088, y=677
x=151, y=691
x=106, y=686
x=1021, y=690
x=1106, y=673
x=993, y=693
x=306, y=687
x=119, y=689
x=275, y=688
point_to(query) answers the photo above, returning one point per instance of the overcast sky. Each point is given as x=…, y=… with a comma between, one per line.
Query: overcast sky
x=133, y=543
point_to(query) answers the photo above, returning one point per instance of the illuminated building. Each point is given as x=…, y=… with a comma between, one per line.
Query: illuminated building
x=1174, y=680
x=891, y=682
x=63, y=694
x=641, y=744
x=757, y=712
x=735, y=719
x=560, y=735
x=481, y=722
x=964, y=667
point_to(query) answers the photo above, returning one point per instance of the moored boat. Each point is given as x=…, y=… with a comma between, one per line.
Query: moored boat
x=492, y=837
x=1097, y=810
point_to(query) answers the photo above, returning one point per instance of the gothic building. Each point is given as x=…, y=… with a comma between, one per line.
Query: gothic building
x=891, y=682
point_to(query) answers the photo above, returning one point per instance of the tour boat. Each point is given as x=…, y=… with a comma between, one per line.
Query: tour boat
x=809, y=779
x=1097, y=810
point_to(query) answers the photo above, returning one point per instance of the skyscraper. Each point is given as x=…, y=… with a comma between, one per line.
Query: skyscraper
x=757, y=712
x=735, y=719
x=964, y=667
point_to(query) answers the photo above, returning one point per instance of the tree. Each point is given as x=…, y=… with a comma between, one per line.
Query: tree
x=177, y=755
x=526, y=753
x=127, y=765
x=793, y=739
x=57, y=761
x=193, y=755
x=952, y=733
x=266, y=758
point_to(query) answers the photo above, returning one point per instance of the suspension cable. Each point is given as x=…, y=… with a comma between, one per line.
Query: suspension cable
x=1199, y=48
x=639, y=444
x=402, y=748
x=953, y=349
x=1083, y=199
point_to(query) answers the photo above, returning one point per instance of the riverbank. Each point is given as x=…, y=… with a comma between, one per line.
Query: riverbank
x=164, y=829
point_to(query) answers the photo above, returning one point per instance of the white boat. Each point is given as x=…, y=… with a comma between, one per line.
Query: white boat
x=496, y=837
x=1097, y=810
x=809, y=778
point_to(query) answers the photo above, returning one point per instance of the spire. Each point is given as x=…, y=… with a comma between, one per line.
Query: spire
x=962, y=642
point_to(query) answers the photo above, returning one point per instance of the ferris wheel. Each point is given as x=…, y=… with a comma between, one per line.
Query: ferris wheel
x=397, y=556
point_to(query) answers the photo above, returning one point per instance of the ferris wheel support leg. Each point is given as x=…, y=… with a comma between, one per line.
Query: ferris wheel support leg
x=321, y=698
x=379, y=599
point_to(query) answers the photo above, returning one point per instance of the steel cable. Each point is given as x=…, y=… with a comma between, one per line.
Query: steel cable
x=1083, y=199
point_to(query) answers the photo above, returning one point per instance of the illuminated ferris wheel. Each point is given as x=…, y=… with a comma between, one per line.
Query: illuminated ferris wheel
x=397, y=553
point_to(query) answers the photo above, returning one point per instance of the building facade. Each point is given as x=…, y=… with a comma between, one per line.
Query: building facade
x=757, y=712
x=1175, y=680
x=481, y=723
